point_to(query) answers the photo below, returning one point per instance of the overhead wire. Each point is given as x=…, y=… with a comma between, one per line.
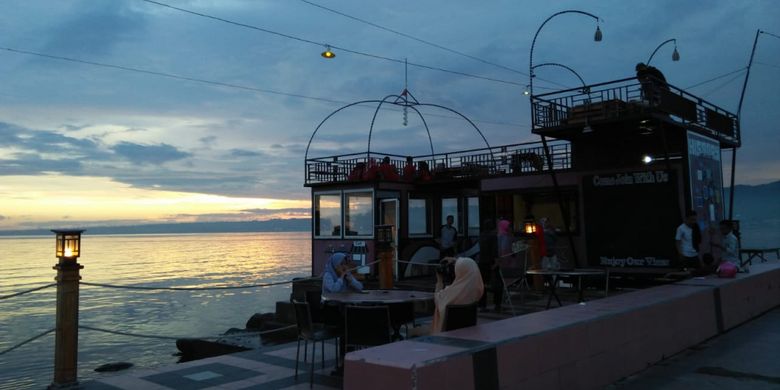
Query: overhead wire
x=716, y=78
x=426, y=42
x=324, y=44
x=219, y=83
x=719, y=87
x=767, y=64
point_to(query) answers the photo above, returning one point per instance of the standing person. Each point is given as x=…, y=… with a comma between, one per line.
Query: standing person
x=687, y=240
x=338, y=277
x=449, y=238
x=465, y=289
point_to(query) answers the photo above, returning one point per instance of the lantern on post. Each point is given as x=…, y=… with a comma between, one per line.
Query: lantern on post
x=68, y=245
x=67, y=250
x=529, y=225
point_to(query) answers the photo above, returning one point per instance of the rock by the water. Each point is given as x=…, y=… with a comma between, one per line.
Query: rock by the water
x=258, y=320
x=111, y=367
x=193, y=349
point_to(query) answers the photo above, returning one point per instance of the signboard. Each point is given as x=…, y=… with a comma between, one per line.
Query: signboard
x=631, y=218
x=705, y=178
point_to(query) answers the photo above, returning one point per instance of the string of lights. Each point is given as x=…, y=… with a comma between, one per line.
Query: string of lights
x=426, y=42
x=223, y=84
x=331, y=46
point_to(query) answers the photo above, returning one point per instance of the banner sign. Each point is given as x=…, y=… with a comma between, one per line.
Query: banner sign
x=705, y=178
x=630, y=218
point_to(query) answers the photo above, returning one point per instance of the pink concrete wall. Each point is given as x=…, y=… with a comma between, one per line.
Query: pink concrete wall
x=573, y=347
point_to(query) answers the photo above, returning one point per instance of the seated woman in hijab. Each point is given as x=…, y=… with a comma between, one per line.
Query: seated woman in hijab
x=337, y=277
x=465, y=289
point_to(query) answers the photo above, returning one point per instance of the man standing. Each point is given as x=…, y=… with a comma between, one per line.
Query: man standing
x=449, y=237
x=687, y=240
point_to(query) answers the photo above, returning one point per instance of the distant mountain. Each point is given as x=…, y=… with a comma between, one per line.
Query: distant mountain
x=273, y=225
x=759, y=202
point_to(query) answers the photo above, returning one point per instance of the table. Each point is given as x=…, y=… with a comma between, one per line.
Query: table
x=379, y=297
x=756, y=252
x=552, y=277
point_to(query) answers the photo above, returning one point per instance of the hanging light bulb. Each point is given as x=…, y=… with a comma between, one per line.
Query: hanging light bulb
x=675, y=55
x=597, y=36
x=526, y=92
x=328, y=53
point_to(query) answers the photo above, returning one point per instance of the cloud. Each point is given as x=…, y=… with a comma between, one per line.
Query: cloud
x=149, y=154
x=244, y=153
x=298, y=211
x=2, y=217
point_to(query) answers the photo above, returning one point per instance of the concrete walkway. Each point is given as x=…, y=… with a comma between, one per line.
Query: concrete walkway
x=748, y=357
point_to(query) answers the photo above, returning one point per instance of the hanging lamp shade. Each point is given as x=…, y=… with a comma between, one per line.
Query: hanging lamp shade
x=328, y=53
x=675, y=55
x=597, y=36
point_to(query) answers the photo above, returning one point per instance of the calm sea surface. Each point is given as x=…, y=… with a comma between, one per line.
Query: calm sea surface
x=149, y=260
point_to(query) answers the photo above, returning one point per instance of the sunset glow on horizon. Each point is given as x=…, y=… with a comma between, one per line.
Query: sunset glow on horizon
x=56, y=200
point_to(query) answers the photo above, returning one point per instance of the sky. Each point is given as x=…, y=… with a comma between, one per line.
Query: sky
x=85, y=145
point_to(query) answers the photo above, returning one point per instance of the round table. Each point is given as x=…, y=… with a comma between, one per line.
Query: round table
x=552, y=277
x=378, y=296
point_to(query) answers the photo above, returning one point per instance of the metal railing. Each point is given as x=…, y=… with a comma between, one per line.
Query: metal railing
x=516, y=159
x=621, y=98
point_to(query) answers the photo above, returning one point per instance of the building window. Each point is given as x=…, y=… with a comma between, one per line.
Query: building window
x=419, y=216
x=473, y=216
x=359, y=213
x=449, y=206
x=327, y=215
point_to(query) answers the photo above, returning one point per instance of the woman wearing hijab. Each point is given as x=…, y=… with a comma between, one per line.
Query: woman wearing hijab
x=337, y=277
x=465, y=289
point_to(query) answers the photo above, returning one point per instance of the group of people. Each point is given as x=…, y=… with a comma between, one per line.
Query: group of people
x=385, y=170
x=688, y=239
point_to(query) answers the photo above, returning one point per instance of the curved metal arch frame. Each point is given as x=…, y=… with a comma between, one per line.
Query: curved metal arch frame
x=398, y=102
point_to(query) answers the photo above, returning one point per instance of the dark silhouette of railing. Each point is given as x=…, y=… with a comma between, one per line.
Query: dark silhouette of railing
x=619, y=99
x=516, y=159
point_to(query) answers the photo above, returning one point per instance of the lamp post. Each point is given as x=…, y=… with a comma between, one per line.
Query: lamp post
x=561, y=203
x=675, y=53
x=555, y=64
x=67, y=250
x=596, y=37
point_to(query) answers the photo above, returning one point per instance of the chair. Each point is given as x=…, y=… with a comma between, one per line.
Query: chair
x=512, y=273
x=366, y=326
x=460, y=316
x=308, y=331
x=401, y=314
x=314, y=299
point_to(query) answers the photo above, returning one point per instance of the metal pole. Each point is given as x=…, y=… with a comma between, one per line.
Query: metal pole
x=659, y=46
x=561, y=204
x=67, y=325
x=739, y=126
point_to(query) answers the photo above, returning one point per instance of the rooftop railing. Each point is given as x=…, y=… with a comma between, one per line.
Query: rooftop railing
x=516, y=159
x=626, y=97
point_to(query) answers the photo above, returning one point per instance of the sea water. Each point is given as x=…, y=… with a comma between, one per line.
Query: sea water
x=184, y=260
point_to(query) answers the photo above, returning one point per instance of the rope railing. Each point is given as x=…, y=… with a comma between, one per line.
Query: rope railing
x=151, y=336
x=31, y=339
x=27, y=291
x=130, y=287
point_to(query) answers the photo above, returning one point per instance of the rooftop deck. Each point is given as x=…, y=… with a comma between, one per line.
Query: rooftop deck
x=556, y=113
x=516, y=159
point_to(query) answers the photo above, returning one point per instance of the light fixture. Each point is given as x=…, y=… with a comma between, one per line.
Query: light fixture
x=526, y=92
x=529, y=225
x=675, y=54
x=647, y=159
x=328, y=53
x=68, y=244
x=587, y=129
x=597, y=36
